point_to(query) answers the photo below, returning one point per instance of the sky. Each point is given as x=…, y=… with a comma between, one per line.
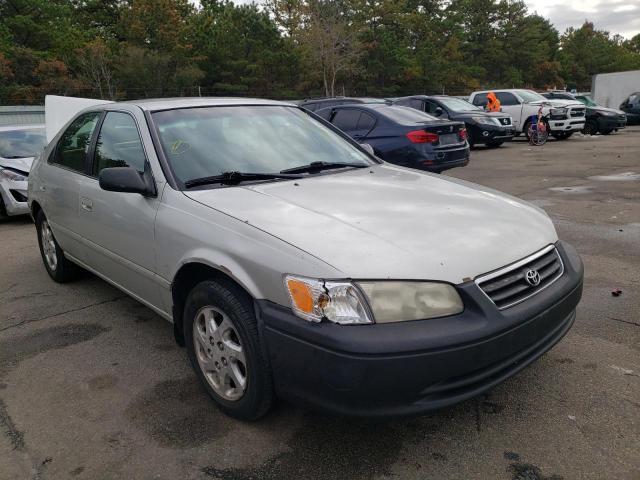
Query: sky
x=616, y=16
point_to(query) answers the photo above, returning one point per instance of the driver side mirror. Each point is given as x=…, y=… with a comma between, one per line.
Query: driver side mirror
x=438, y=111
x=126, y=180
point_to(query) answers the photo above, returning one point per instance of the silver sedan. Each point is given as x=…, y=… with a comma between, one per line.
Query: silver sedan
x=294, y=263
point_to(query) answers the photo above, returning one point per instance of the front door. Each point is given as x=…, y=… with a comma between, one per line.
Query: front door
x=119, y=227
x=511, y=105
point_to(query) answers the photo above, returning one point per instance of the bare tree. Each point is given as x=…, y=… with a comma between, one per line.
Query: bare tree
x=331, y=40
x=96, y=68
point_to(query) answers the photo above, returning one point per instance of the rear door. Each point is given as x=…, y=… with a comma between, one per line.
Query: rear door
x=62, y=177
x=354, y=122
x=119, y=227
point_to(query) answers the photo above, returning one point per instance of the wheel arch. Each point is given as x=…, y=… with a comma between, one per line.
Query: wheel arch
x=35, y=209
x=187, y=277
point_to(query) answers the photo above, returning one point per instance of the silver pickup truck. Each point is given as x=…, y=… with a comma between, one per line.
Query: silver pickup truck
x=294, y=263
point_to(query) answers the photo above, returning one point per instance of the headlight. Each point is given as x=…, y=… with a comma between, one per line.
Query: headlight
x=339, y=302
x=487, y=121
x=382, y=302
x=13, y=176
x=558, y=111
x=399, y=301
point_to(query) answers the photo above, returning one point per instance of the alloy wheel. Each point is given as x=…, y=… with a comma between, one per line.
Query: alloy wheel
x=48, y=246
x=219, y=352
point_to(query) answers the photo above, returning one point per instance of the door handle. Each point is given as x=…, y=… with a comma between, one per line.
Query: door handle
x=86, y=204
x=43, y=188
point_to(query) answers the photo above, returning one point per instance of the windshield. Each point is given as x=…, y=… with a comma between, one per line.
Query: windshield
x=587, y=101
x=530, y=96
x=22, y=143
x=457, y=104
x=208, y=141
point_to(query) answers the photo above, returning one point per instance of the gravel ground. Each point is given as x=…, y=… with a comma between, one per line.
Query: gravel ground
x=92, y=384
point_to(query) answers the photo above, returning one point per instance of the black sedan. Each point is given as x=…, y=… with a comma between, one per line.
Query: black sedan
x=403, y=136
x=599, y=119
x=490, y=128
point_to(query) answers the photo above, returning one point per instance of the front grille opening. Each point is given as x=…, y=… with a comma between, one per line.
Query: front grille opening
x=510, y=286
x=20, y=197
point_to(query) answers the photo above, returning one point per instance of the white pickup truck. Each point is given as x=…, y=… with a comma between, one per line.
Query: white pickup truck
x=564, y=116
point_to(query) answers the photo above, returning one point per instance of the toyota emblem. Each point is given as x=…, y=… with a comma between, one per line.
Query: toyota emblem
x=532, y=277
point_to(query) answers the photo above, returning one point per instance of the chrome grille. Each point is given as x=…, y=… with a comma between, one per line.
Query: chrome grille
x=577, y=112
x=508, y=286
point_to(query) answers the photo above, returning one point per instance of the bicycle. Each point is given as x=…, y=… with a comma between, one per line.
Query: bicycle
x=538, y=131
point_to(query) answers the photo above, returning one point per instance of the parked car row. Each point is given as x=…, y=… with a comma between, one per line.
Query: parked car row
x=598, y=119
x=292, y=262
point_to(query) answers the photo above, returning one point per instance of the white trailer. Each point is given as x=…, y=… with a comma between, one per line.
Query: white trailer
x=611, y=89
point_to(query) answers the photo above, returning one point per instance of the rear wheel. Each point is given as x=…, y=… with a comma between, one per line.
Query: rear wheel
x=223, y=345
x=58, y=267
x=590, y=128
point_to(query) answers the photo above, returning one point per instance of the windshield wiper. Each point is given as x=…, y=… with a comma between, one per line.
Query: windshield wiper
x=234, y=178
x=315, y=167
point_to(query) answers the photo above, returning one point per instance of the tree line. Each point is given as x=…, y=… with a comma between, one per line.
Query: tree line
x=124, y=49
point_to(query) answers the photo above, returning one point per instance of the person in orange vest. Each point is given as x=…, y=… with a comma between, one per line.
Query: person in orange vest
x=493, y=104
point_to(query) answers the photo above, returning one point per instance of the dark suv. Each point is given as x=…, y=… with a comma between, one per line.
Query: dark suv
x=599, y=119
x=631, y=106
x=490, y=128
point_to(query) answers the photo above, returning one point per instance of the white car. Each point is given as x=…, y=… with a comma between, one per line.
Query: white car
x=18, y=146
x=564, y=116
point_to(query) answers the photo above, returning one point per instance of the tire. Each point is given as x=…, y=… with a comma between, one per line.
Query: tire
x=225, y=349
x=561, y=135
x=606, y=132
x=59, y=268
x=3, y=211
x=494, y=144
x=525, y=129
x=590, y=128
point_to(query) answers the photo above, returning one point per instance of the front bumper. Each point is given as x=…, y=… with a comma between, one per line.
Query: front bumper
x=567, y=125
x=14, y=197
x=413, y=367
x=482, y=133
x=611, y=123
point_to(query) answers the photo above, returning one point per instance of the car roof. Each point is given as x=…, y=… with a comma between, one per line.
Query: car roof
x=13, y=128
x=154, y=104
x=344, y=99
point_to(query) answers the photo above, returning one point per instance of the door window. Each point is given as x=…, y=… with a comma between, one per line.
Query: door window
x=73, y=146
x=507, y=98
x=480, y=100
x=366, y=122
x=347, y=119
x=430, y=107
x=119, y=144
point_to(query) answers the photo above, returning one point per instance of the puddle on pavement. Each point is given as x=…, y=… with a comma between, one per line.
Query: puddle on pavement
x=577, y=189
x=619, y=177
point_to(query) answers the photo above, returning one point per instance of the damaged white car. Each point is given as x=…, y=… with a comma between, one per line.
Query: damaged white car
x=18, y=146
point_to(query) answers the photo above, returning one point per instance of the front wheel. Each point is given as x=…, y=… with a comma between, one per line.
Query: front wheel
x=59, y=268
x=223, y=345
x=561, y=135
x=590, y=128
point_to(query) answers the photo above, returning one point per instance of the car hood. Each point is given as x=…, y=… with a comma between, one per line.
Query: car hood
x=22, y=164
x=558, y=103
x=606, y=109
x=391, y=222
